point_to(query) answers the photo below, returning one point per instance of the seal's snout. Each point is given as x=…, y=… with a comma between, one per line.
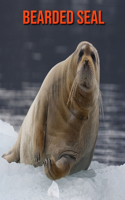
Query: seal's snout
x=86, y=61
x=86, y=64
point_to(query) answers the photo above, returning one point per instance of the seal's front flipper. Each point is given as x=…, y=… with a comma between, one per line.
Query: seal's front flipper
x=56, y=170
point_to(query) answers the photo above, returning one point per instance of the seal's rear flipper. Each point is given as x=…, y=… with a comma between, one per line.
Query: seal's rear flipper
x=10, y=157
x=13, y=155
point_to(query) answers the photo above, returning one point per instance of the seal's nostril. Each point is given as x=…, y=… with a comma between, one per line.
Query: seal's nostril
x=86, y=61
x=86, y=64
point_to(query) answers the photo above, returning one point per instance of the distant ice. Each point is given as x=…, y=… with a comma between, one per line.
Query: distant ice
x=20, y=181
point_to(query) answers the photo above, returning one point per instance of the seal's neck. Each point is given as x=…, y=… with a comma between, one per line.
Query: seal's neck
x=82, y=103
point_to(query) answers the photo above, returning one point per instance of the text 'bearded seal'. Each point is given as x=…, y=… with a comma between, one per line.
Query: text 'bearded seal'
x=61, y=126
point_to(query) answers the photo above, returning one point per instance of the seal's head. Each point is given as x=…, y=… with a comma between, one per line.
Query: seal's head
x=88, y=66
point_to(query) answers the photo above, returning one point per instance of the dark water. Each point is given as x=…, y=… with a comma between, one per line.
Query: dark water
x=28, y=52
x=110, y=147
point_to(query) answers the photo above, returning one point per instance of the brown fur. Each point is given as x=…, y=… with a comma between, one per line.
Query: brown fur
x=61, y=126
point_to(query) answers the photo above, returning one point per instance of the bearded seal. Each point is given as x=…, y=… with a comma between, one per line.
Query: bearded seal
x=61, y=126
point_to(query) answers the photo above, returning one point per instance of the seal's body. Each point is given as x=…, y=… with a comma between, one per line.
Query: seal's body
x=61, y=126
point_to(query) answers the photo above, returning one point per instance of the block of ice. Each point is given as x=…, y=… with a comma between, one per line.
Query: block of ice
x=53, y=190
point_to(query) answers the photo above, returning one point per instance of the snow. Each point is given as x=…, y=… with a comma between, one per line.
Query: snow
x=20, y=181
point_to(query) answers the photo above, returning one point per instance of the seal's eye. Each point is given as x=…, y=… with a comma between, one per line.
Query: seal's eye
x=93, y=57
x=81, y=53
